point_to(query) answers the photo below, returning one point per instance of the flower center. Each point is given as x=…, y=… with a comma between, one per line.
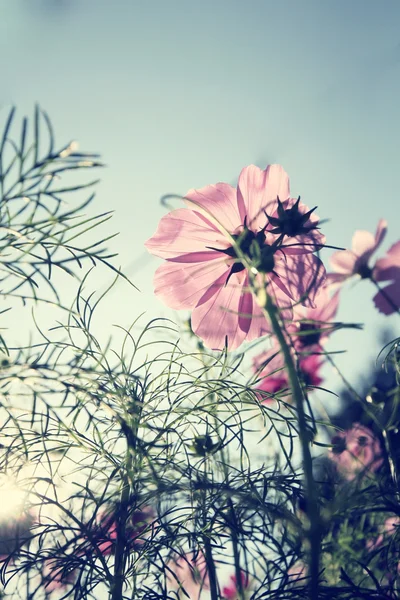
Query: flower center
x=365, y=272
x=338, y=444
x=291, y=221
x=253, y=246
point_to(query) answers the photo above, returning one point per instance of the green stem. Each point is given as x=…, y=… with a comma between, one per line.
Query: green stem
x=211, y=571
x=304, y=433
x=236, y=554
x=120, y=554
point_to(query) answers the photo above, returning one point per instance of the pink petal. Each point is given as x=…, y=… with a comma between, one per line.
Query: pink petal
x=335, y=279
x=259, y=326
x=270, y=362
x=182, y=232
x=391, y=291
x=344, y=262
x=303, y=276
x=364, y=243
x=181, y=285
x=301, y=244
x=326, y=308
x=252, y=317
x=380, y=233
x=388, y=267
x=220, y=201
x=258, y=188
x=216, y=316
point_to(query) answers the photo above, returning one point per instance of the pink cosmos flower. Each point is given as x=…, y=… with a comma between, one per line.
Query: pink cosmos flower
x=274, y=374
x=231, y=591
x=347, y=263
x=203, y=270
x=189, y=572
x=55, y=576
x=355, y=451
x=297, y=572
x=389, y=527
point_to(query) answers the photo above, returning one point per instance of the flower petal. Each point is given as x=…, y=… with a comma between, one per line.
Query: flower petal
x=303, y=276
x=326, y=306
x=364, y=243
x=219, y=201
x=258, y=188
x=388, y=267
x=182, y=232
x=344, y=262
x=335, y=279
x=181, y=285
x=387, y=301
x=252, y=318
x=216, y=316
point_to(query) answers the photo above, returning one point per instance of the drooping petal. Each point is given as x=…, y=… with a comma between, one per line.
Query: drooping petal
x=257, y=188
x=388, y=267
x=251, y=311
x=183, y=232
x=216, y=316
x=219, y=201
x=259, y=326
x=344, y=263
x=181, y=285
x=387, y=301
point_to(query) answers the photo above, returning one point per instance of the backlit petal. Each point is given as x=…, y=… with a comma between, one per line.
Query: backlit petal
x=182, y=232
x=257, y=188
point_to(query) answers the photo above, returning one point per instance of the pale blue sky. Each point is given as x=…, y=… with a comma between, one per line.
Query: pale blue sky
x=178, y=94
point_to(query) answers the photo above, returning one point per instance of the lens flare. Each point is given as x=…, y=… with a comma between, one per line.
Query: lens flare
x=11, y=498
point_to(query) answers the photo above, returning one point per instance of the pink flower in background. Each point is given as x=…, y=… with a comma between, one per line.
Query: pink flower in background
x=391, y=525
x=355, y=451
x=388, y=528
x=204, y=273
x=189, y=572
x=387, y=269
x=231, y=591
x=55, y=576
x=297, y=572
x=105, y=531
x=347, y=263
x=274, y=374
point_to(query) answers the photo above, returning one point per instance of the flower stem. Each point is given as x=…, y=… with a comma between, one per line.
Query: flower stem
x=120, y=554
x=211, y=569
x=314, y=533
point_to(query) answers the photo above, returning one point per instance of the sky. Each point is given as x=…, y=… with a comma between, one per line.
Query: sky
x=182, y=94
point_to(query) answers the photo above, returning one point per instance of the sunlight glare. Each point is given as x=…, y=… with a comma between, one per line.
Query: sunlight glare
x=11, y=498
